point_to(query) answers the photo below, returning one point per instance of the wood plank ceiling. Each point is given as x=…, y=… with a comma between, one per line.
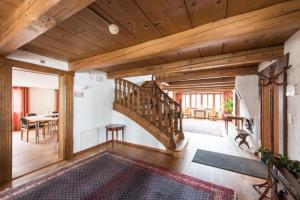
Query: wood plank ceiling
x=86, y=34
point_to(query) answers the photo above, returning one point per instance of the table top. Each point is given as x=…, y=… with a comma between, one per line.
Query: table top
x=115, y=126
x=234, y=117
x=41, y=118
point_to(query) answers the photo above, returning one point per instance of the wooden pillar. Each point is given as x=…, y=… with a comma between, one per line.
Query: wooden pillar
x=66, y=116
x=5, y=123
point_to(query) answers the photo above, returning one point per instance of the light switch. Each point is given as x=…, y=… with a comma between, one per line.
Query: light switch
x=290, y=119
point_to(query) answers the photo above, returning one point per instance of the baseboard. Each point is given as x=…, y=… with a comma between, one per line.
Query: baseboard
x=144, y=147
x=91, y=148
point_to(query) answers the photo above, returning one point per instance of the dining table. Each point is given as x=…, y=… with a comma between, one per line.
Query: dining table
x=39, y=120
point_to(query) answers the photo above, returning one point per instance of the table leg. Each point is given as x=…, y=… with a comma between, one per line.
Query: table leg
x=37, y=127
x=123, y=135
x=44, y=132
x=112, y=135
x=106, y=135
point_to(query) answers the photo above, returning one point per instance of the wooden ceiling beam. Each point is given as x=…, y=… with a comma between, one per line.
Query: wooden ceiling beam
x=32, y=67
x=202, y=90
x=183, y=76
x=232, y=59
x=204, y=81
x=33, y=18
x=200, y=86
x=283, y=16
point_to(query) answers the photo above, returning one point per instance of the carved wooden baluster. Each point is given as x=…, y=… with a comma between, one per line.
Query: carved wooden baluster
x=180, y=115
x=148, y=107
x=124, y=93
x=120, y=91
x=133, y=106
x=172, y=136
x=116, y=90
x=160, y=124
x=175, y=120
x=138, y=101
x=128, y=94
x=166, y=116
x=143, y=102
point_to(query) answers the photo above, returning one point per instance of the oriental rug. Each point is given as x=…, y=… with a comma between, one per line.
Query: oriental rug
x=109, y=176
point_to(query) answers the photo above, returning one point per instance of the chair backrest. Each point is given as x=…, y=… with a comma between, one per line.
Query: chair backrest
x=55, y=112
x=23, y=122
x=31, y=114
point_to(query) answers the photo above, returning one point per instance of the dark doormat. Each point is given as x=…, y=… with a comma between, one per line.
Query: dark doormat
x=232, y=163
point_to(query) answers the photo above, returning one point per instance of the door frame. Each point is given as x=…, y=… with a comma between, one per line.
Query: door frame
x=65, y=149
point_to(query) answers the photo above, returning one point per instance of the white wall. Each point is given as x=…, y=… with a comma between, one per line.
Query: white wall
x=94, y=110
x=292, y=46
x=135, y=133
x=37, y=80
x=41, y=101
x=36, y=59
x=248, y=88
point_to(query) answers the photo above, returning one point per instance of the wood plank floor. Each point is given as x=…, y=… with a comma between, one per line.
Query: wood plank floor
x=30, y=156
x=242, y=184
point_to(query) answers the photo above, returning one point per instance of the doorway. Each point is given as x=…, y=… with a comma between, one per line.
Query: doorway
x=35, y=117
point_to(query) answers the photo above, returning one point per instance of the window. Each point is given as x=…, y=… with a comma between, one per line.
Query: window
x=217, y=101
x=198, y=101
x=203, y=101
x=193, y=103
x=187, y=101
x=210, y=103
x=17, y=101
x=204, y=97
x=183, y=101
x=171, y=94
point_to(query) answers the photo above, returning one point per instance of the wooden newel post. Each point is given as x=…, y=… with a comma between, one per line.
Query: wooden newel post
x=172, y=135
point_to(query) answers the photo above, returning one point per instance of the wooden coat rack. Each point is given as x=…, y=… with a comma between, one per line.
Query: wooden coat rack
x=271, y=80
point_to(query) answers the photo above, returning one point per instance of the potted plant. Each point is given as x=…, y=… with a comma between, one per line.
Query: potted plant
x=280, y=161
x=228, y=106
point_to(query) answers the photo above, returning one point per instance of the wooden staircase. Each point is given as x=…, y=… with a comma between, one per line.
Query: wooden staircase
x=152, y=109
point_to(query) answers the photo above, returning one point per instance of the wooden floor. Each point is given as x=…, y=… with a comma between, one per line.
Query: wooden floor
x=30, y=156
x=242, y=184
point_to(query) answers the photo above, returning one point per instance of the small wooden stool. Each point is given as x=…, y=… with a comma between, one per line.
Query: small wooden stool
x=113, y=128
x=243, y=136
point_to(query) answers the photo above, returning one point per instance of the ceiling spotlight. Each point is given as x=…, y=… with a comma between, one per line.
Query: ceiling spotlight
x=113, y=29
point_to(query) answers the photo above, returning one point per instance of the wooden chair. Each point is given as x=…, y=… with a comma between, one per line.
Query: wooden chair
x=25, y=126
x=213, y=115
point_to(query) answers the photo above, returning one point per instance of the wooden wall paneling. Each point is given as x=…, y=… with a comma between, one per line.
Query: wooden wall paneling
x=5, y=122
x=168, y=16
x=33, y=18
x=266, y=118
x=277, y=130
x=128, y=14
x=66, y=116
x=264, y=21
x=236, y=7
x=279, y=109
x=220, y=61
x=124, y=36
x=205, y=74
x=205, y=11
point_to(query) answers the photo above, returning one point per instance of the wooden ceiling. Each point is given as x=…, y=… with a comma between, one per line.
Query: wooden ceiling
x=86, y=34
x=7, y=7
x=173, y=39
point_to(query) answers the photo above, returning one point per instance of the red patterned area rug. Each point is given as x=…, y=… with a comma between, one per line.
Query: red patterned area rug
x=109, y=176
